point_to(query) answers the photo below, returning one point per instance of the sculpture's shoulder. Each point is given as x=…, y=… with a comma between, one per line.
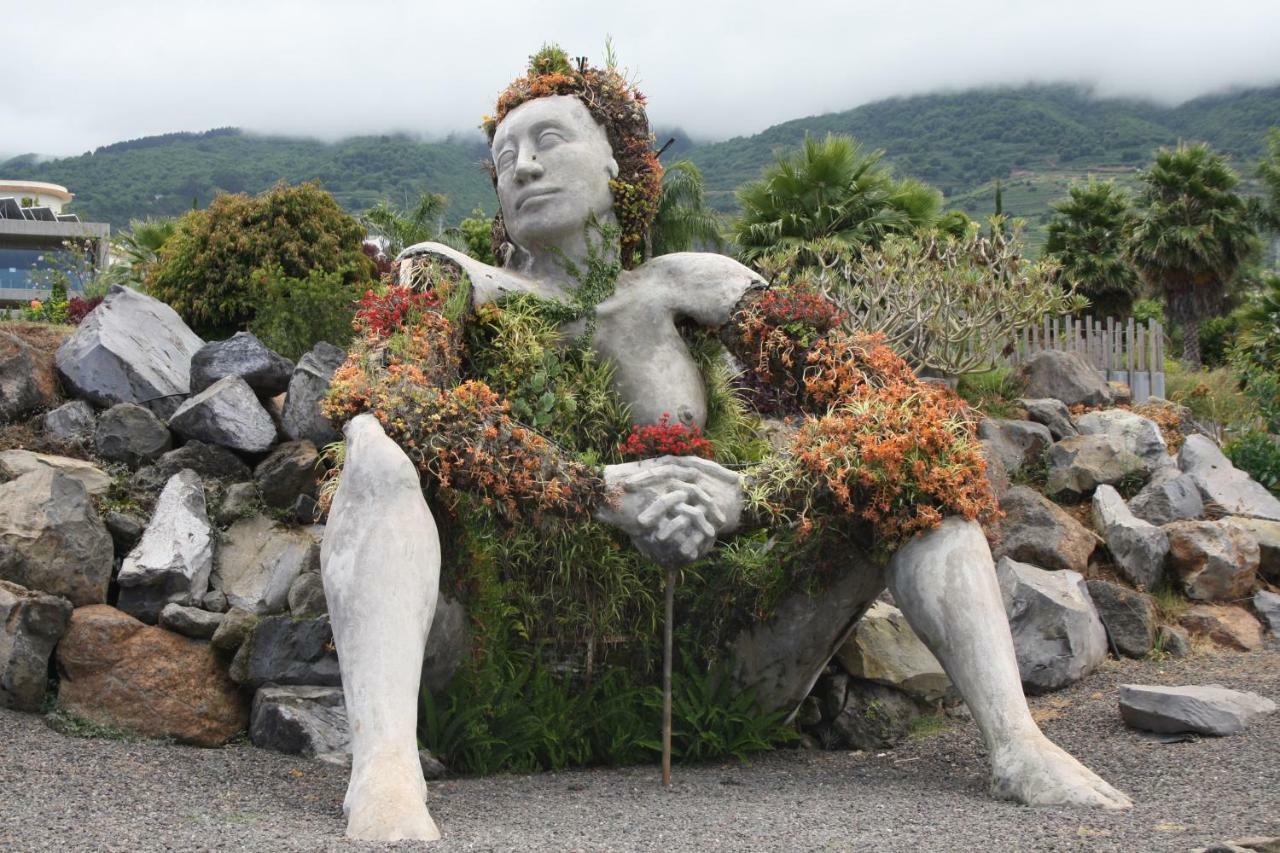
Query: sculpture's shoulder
x=488, y=283
x=701, y=285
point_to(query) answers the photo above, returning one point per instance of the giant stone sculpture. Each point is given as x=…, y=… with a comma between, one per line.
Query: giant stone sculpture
x=556, y=174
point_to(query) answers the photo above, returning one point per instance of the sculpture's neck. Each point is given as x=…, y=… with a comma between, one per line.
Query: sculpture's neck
x=560, y=267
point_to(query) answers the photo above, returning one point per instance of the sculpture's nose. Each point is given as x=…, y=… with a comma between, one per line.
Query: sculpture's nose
x=527, y=167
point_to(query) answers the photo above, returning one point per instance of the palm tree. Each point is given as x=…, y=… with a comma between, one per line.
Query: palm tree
x=1190, y=234
x=401, y=228
x=1086, y=236
x=1269, y=172
x=829, y=190
x=684, y=221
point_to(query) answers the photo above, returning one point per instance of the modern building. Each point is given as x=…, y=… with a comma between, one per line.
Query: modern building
x=32, y=229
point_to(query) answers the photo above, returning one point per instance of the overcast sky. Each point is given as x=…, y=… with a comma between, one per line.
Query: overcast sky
x=82, y=73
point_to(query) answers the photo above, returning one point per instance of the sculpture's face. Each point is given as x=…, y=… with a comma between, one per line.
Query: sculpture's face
x=554, y=165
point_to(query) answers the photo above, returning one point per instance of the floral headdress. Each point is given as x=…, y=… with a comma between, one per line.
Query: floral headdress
x=619, y=107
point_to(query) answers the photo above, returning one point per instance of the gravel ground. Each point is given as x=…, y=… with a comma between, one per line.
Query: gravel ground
x=62, y=793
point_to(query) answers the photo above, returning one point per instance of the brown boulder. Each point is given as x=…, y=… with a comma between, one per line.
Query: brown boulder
x=1225, y=625
x=119, y=672
x=27, y=379
x=1213, y=560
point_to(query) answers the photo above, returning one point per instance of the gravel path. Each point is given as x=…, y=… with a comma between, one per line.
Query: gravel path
x=61, y=793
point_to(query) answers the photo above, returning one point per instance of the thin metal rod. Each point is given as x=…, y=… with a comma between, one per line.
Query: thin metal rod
x=666, y=676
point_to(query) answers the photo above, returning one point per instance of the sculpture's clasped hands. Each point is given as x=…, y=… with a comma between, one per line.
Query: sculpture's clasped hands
x=673, y=507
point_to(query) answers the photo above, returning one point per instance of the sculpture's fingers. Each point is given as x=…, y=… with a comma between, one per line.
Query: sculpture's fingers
x=689, y=546
x=698, y=517
x=714, y=469
x=706, y=502
x=660, y=506
x=644, y=477
x=670, y=526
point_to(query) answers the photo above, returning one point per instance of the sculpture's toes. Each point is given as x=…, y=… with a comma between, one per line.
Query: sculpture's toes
x=1034, y=771
x=389, y=807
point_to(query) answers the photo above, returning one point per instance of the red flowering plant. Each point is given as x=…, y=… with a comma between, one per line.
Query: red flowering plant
x=383, y=314
x=665, y=439
x=78, y=308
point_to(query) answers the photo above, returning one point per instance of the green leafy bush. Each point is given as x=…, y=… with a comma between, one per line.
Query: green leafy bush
x=512, y=713
x=1257, y=454
x=294, y=314
x=207, y=270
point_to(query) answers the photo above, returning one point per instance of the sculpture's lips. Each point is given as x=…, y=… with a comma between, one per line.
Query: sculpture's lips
x=535, y=195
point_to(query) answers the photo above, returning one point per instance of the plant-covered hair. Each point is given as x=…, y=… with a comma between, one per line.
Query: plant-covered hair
x=619, y=108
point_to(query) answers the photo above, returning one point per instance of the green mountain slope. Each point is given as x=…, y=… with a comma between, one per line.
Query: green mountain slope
x=163, y=175
x=1036, y=139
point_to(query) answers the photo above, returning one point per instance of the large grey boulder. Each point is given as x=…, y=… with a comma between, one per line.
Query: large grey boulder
x=15, y=463
x=130, y=349
x=1053, y=414
x=285, y=650
x=1131, y=618
x=307, y=387
x=873, y=716
x=27, y=380
x=70, y=423
x=259, y=559
x=1140, y=435
x=884, y=649
x=51, y=538
x=1067, y=377
x=1234, y=491
x=173, y=561
x=208, y=460
x=306, y=596
x=291, y=470
x=1267, y=535
x=1212, y=560
x=996, y=474
x=1017, y=443
x=1080, y=464
x=1036, y=530
x=227, y=414
x=190, y=622
x=1138, y=548
x=1208, y=710
x=131, y=434
x=31, y=623
x=301, y=720
x=1267, y=606
x=1168, y=499
x=241, y=355
x=448, y=644
x=1057, y=634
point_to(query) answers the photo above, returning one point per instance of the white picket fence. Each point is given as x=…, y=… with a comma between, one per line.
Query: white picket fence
x=1127, y=352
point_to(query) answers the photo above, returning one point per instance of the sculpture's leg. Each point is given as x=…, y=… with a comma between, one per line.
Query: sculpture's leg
x=945, y=584
x=380, y=562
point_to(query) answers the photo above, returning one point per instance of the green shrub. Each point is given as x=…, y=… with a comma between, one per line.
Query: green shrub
x=206, y=270
x=511, y=713
x=993, y=392
x=294, y=314
x=1148, y=309
x=1217, y=334
x=1213, y=395
x=1257, y=454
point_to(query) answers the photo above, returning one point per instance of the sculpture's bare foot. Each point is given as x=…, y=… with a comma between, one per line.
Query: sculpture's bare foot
x=1033, y=770
x=385, y=802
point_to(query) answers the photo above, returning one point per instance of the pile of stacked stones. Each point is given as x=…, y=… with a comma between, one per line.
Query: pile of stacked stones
x=163, y=563
x=1076, y=561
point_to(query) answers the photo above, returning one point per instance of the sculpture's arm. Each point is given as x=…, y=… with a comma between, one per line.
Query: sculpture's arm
x=405, y=368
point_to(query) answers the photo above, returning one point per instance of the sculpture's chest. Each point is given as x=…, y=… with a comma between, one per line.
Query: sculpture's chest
x=654, y=372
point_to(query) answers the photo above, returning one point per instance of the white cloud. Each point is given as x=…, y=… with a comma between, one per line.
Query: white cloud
x=82, y=74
